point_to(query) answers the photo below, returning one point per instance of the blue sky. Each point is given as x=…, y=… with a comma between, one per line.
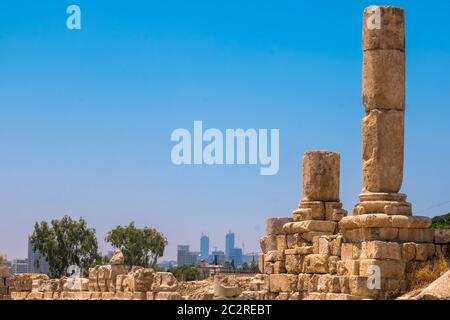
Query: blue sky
x=86, y=115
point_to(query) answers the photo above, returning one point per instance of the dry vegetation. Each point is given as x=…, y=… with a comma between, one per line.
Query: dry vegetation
x=424, y=274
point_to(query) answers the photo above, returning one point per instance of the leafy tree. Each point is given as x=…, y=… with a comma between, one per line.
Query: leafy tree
x=245, y=267
x=140, y=247
x=64, y=243
x=441, y=222
x=253, y=266
x=185, y=273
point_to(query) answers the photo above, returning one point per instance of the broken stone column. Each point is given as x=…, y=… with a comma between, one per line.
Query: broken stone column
x=383, y=95
x=382, y=236
x=320, y=188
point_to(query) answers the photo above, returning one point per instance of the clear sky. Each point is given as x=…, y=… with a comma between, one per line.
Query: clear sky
x=86, y=115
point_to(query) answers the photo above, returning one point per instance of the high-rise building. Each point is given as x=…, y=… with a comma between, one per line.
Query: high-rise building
x=218, y=258
x=229, y=244
x=236, y=257
x=36, y=262
x=185, y=257
x=204, y=247
x=20, y=266
x=250, y=257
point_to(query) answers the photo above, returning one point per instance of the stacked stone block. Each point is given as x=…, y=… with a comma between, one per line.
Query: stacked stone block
x=105, y=282
x=6, y=284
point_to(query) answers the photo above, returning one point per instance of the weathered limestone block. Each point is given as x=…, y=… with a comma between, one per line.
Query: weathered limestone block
x=442, y=236
x=268, y=243
x=83, y=295
x=424, y=251
x=260, y=282
x=50, y=285
x=274, y=226
x=416, y=235
x=293, y=261
x=107, y=296
x=321, y=176
x=35, y=296
x=316, y=263
x=116, y=270
x=226, y=287
x=274, y=255
x=389, y=33
x=383, y=141
x=389, y=268
x=340, y=296
x=143, y=295
x=19, y=295
x=369, y=234
x=332, y=264
x=381, y=250
x=350, y=251
x=334, y=211
x=140, y=279
x=49, y=296
x=164, y=281
x=310, y=235
x=315, y=296
x=4, y=271
x=274, y=267
x=382, y=196
x=306, y=214
x=330, y=245
x=309, y=210
x=93, y=279
x=310, y=284
x=283, y=282
x=120, y=295
x=24, y=281
x=381, y=206
x=117, y=258
x=328, y=283
x=344, y=284
x=303, y=280
x=348, y=267
x=310, y=225
x=96, y=296
x=380, y=220
x=261, y=263
x=359, y=287
x=165, y=295
x=383, y=80
x=295, y=240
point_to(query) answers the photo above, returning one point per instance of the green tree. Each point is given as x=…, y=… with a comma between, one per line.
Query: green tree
x=253, y=266
x=245, y=267
x=64, y=243
x=140, y=247
x=185, y=273
x=441, y=222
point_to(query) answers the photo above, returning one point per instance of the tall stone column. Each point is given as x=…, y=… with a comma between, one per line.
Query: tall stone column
x=383, y=95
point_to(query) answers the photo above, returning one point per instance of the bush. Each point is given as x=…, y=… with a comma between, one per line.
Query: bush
x=441, y=222
x=185, y=273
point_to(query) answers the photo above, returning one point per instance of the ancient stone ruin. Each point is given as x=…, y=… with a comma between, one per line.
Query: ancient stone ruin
x=320, y=253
